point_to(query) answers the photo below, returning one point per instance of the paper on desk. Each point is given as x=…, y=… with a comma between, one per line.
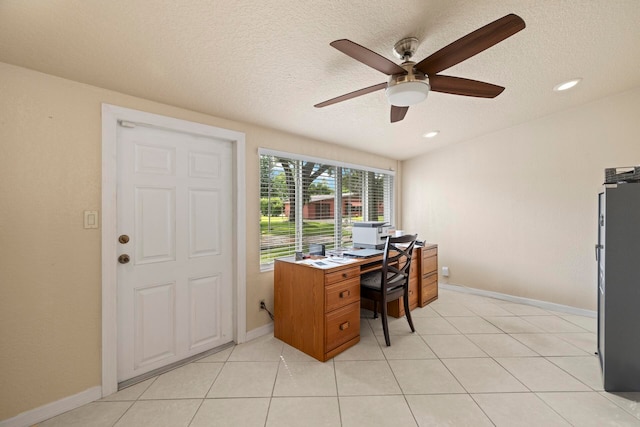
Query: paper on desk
x=326, y=263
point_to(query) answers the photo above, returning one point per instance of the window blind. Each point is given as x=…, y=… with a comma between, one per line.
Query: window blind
x=305, y=201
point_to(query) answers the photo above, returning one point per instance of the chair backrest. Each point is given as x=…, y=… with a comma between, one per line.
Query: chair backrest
x=396, y=261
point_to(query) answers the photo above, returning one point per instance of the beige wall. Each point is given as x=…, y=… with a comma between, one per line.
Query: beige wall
x=50, y=278
x=515, y=211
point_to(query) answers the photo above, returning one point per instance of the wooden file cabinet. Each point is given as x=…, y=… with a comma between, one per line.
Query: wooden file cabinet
x=428, y=272
x=317, y=310
x=423, y=280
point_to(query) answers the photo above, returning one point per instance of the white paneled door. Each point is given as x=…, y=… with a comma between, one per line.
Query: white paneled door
x=174, y=221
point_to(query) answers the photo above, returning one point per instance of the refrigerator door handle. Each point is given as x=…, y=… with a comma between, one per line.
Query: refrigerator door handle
x=597, y=253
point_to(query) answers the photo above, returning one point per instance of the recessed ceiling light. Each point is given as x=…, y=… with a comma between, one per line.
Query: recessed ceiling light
x=566, y=85
x=431, y=134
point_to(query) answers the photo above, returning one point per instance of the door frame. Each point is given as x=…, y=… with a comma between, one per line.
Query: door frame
x=111, y=114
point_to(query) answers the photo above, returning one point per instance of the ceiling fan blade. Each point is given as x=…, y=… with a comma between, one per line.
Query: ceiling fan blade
x=466, y=87
x=352, y=95
x=471, y=44
x=398, y=113
x=368, y=57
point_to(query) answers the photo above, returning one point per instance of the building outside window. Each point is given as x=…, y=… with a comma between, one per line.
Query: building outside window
x=306, y=200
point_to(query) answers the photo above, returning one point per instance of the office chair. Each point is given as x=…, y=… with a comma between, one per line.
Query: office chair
x=392, y=282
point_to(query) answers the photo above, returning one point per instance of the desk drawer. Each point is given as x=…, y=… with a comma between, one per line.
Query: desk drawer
x=426, y=253
x=341, y=293
x=429, y=265
x=429, y=289
x=429, y=292
x=342, y=325
x=429, y=279
x=337, y=276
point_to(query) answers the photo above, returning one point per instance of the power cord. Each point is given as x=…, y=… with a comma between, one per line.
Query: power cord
x=263, y=306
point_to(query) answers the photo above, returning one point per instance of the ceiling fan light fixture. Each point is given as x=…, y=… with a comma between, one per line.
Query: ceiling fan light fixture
x=407, y=93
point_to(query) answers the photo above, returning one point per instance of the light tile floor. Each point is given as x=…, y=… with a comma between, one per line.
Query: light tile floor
x=474, y=361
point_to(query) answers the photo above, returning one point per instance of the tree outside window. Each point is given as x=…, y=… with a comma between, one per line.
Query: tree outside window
x=308, y=201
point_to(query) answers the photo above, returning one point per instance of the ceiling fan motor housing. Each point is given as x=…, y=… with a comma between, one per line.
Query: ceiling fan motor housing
x=405, y=48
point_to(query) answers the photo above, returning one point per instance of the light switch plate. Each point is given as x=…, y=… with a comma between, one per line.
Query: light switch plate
x=90, y=219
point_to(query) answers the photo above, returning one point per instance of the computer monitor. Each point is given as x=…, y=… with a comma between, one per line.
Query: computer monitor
x=316, y=249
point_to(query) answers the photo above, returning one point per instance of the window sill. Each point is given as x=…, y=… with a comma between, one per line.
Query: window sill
x=266, y=267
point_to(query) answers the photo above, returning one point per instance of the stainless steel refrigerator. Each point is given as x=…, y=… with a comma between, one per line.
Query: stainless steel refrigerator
x=618, y=256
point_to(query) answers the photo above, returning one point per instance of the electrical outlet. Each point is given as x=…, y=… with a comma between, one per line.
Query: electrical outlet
x=263, y=306
x=445, y=271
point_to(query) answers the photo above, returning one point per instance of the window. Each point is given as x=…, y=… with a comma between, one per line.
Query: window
x=305, y=200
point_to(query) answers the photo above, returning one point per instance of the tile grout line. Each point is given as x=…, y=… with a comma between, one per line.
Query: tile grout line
x=393, y=357
x=135, y=401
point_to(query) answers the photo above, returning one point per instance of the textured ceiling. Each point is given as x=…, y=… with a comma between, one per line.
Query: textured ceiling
x=269, y=62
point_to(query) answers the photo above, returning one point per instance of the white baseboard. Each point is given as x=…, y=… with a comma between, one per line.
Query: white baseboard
x=52, y=409
x=520, y=300
x=258, y=332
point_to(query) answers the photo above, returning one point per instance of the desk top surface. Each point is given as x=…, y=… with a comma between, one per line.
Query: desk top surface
x=328, y=263
x=334, y=263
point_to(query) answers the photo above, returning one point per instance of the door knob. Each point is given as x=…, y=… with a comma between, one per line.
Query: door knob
x=123, y=259
x=123, y=239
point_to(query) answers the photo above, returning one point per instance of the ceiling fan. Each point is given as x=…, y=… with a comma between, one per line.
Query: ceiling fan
x=410, y=82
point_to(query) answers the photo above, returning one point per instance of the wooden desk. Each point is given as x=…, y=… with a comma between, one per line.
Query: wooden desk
x=317, y=310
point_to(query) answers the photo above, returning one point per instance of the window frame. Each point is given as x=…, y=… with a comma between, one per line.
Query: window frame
x=389, y=192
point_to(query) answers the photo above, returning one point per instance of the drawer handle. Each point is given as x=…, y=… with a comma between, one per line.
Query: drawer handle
x=344, y=294
x=345, y=275
x=344, y=326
